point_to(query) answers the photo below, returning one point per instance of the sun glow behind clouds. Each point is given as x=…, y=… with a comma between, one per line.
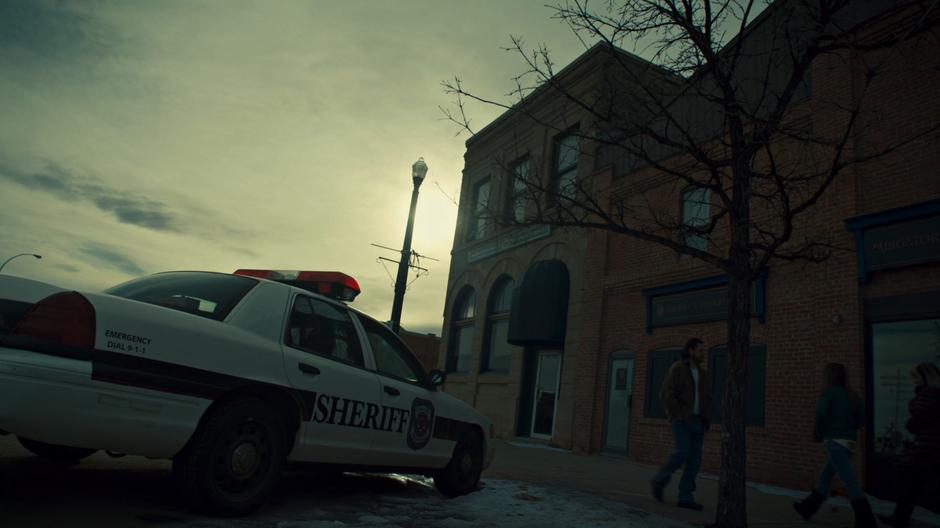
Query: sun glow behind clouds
x=223, y=135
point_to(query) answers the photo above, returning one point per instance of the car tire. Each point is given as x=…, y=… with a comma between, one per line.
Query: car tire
x=57, y=453
x=462, y=473
x=233, y=460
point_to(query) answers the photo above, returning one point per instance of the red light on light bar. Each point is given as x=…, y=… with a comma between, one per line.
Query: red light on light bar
x=329, y=283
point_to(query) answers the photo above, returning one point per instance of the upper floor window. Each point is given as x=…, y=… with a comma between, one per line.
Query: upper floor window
x=478, y=219
x=518, y=191
x=460, y=350
x=695, y=215
x=498, y=353
x=323, y=329
x=566, y=166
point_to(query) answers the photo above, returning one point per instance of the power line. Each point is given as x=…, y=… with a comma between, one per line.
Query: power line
x=414, y=262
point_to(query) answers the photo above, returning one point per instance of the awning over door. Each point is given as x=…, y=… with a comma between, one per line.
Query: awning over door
x=539, y=314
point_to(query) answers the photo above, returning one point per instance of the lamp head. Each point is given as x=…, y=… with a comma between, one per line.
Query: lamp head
x=418, y=171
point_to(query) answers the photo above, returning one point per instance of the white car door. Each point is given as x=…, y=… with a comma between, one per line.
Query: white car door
x=324, y=360
x=407, y=438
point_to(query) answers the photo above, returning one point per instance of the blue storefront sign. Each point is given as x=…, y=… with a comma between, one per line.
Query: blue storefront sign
x=896, y=238
x=697, y=301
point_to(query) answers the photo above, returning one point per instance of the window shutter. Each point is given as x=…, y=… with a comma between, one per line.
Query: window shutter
x=716, y=371
x=754, y=390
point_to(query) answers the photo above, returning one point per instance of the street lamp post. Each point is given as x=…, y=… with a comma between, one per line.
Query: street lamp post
x=20, y=255
x=418, y=170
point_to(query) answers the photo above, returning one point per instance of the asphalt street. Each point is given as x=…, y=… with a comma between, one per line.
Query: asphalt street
x=105, y=492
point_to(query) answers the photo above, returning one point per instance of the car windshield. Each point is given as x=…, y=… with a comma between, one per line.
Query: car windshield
x=211, y=295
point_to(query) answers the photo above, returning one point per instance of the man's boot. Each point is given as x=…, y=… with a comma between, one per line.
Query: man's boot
x=810, y=505
x=864, y=518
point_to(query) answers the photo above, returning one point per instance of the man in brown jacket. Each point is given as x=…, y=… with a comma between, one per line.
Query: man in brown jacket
x=687, y=398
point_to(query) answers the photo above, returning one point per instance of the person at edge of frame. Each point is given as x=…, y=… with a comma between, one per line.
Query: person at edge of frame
x=922, y=461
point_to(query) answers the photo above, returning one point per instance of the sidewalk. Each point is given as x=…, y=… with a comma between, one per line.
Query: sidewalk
x=626, y=481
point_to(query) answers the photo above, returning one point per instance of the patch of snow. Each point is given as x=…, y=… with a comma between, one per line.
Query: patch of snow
x=497, y=504
x=370, y=520
x=311, y=524
x=452, y=522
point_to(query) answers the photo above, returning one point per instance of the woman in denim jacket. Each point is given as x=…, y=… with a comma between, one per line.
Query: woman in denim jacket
x=839, y=416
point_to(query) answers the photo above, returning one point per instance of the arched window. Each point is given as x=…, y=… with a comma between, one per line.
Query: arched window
x=497, y=353
x=460, y=352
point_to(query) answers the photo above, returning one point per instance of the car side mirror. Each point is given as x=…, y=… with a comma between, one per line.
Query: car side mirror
x=437, y=377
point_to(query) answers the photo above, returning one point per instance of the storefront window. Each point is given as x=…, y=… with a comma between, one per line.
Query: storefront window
x=896, y=349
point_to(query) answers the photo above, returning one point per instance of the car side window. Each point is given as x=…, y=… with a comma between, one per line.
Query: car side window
x=321, y=328
x=391, y=356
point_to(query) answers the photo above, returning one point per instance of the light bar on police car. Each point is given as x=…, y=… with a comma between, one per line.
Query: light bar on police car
x=333, y=284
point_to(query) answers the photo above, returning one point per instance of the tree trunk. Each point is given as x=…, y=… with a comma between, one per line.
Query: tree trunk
x=732, y=499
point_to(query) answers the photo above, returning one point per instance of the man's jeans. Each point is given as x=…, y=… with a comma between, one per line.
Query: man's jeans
x=838, y=462
x=688, y=435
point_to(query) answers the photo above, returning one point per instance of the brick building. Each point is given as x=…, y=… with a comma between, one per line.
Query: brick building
x=596, y=318
x=427, y=347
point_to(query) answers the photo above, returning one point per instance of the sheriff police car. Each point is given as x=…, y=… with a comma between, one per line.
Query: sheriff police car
x=230, y=376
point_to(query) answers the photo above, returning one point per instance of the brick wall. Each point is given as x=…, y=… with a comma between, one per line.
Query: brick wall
x=815, y=312
x=426, y=347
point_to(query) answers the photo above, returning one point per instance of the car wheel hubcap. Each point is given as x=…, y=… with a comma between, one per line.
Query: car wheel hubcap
x=466, y=463
x=244, y=460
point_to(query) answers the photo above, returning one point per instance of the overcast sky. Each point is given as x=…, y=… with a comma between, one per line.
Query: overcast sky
x=139, y=137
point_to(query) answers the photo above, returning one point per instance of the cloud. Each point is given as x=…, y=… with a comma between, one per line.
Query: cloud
x=67, y=268
x=133, y=210
x=219, y=135
x=111, y=257
x=42, y=30
x=126, y=207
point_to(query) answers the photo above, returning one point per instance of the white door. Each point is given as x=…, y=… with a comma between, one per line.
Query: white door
x=619, y=400
x=407, y=438
x=546, y=394
x=324, y=359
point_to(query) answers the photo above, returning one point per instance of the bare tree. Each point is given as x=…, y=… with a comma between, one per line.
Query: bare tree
x=721, y=113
